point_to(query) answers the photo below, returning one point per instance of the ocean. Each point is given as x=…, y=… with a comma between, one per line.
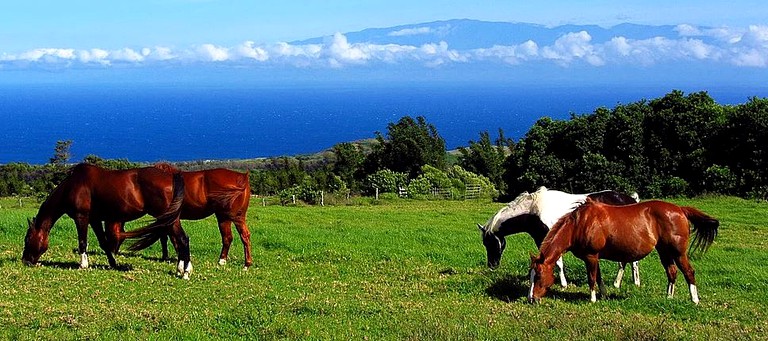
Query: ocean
x=155, y=123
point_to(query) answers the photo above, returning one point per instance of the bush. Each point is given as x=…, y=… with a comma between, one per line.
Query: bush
x=386, y=181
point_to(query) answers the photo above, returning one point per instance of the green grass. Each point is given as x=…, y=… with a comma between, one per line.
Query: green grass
x=399, y=270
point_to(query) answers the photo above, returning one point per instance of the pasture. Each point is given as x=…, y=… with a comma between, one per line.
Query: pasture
x=398, y=269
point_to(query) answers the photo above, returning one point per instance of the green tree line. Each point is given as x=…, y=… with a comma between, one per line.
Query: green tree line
x=676, y=145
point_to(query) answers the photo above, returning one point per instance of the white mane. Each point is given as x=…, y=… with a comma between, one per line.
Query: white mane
x=521, y=205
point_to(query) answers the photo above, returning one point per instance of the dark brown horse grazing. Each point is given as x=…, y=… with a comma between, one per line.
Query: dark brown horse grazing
x=90, y=195
x=624, y=234
x=220, y=192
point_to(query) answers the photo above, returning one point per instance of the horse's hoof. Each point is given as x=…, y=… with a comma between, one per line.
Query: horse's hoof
x=245, y=268
x=186, y=276
x=222, y=261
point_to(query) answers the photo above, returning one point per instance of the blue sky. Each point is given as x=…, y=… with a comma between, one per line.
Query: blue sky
x=99, y=34
x=85, y=24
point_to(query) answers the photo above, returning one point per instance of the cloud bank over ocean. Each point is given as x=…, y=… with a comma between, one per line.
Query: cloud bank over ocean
x=745, y=47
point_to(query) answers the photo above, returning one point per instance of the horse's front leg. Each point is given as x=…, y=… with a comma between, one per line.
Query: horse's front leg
x=669, y=265
x=593, y=268
x=81, y=221
x=225, y=229
x=561, y=266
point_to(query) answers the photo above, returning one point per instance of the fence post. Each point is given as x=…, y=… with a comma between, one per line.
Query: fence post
x=377, y=193
x=264, y=202
x=322, y=199
x=293, y=199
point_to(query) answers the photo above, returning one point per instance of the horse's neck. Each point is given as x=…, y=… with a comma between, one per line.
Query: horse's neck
x=557, y=242
x=530, y=224
x=51, y=209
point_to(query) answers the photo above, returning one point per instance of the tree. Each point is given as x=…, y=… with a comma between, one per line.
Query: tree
x=410, y=145
x=349, y=159
x=61, y=154
x=484, y=158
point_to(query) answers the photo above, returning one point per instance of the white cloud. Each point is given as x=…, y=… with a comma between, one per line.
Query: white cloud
x=745, y=47
x=573, y=46
x=126, y=55
x=410, y=31
x=213, y=53
x=248, y=50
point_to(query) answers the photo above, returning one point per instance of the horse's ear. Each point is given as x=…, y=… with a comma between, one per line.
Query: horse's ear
x=481, y=227
x=534, y=258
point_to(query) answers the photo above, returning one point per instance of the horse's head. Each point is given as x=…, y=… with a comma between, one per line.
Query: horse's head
x=494, y=246
x=541, y=278
x=35, y=242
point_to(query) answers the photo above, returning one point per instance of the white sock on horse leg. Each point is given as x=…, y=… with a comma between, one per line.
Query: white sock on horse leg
x=619, y=276
x=636, y=273
x=670, y=290
x=694, y=293
x=561, y=266
x=84, y=260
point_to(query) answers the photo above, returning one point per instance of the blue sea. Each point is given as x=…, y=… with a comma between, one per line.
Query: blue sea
x=188, y=123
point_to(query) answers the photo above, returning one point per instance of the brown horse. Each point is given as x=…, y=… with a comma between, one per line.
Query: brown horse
x=220, y=192
x=624, y=234
x=90, y=195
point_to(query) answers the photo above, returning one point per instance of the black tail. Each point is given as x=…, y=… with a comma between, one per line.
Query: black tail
x=149, y=234
x=705, y=228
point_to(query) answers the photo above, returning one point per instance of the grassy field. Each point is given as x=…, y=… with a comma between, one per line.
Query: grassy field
x=396, y=270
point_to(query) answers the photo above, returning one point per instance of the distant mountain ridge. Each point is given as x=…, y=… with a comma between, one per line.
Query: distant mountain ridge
x=471, y=34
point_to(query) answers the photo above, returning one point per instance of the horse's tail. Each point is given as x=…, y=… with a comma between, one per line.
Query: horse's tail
x=149, y=234
x=704, y=226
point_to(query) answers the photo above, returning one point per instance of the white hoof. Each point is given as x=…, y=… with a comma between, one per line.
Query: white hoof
x=222, y=261
x=245, y=268
x=84, y=261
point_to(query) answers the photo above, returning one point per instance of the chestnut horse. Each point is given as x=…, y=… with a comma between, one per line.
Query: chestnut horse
x=90, y=195
x=624, y=234
x=220, y=192
x=535, y=213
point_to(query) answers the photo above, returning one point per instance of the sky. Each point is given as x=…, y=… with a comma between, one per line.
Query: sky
x=72, y=34
x=86, y=24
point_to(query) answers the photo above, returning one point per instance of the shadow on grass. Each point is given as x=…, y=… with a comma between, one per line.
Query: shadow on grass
x=76, y=265
x=509, y=288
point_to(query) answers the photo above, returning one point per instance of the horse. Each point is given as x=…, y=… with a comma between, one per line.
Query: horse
x=625, y=234
x=535, y=213
x=220, y=192
x=91, y=195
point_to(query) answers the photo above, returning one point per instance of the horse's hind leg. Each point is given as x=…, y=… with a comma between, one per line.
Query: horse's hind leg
x=180, y=241
x=164, y=246
x=636, y=273
x=245, y=237
x=104, y=242
x=619, y=275
x=688, y=273
x=225, y=228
